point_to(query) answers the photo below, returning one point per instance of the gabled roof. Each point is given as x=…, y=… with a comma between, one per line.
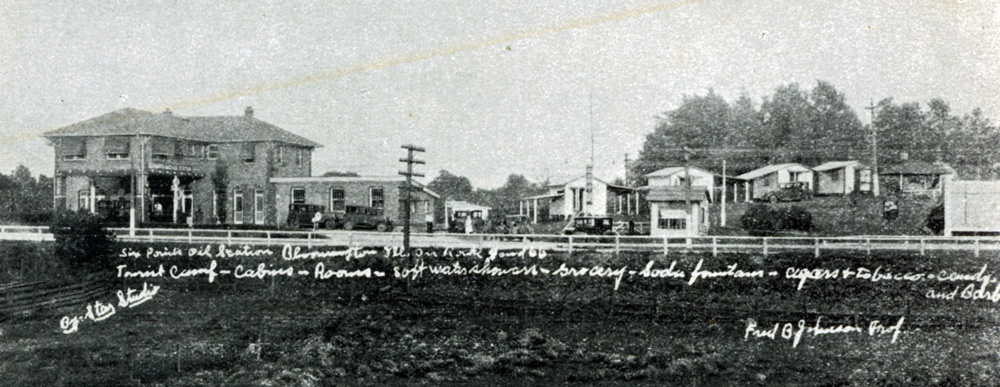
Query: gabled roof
x=670, y=171
x=795, y=167
x=676, y=193
x=831, y=165
x=575, y=178
x=914, y=167
x=218, y=129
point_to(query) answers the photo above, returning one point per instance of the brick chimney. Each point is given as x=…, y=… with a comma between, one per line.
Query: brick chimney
x=248, y=112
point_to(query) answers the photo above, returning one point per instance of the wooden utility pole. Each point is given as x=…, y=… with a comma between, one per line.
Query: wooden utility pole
x=409, y=160
x=722, y=219
x=874, y=180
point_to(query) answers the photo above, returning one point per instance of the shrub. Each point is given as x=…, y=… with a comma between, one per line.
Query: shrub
x=762, y=219
x=759, y=218
x=83, y=243
x=796, y=218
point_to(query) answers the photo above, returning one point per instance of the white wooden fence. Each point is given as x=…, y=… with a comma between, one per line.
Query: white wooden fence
x=566, y=243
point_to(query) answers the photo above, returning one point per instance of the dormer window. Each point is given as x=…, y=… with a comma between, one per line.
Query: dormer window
x=299, y=157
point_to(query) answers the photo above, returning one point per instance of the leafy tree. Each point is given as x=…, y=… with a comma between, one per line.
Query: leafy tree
x=452, y=187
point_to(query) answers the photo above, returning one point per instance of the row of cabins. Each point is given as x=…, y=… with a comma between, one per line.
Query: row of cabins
x=666, y=200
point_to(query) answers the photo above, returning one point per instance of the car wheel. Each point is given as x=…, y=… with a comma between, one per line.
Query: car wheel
x=330, y=224
x=773, y=198
x=348, y=226
x=382, y=227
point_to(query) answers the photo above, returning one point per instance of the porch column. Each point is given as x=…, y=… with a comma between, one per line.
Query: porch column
x=637, y=202
x=176, y=187
x=92, y=200
x=520, y=207
x=535, y=220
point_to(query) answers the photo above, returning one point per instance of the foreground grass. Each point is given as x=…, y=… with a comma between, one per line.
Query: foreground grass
x=513, y=331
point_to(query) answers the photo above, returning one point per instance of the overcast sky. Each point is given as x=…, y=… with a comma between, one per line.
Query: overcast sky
x=489, y=88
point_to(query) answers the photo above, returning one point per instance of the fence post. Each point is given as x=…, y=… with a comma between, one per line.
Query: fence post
x=229, y=237
x=868, y=244
x=715, y=247
x=665, y=248
x=268, y=233
x=309, y=240
x=921, y=246
x=571, y=245
x=765, y=245
x=617, y=245
x=976, y=248
x=190, y=237
x=817, y=248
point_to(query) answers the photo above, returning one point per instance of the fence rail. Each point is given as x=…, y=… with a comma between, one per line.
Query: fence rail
x=21, y=298
x=571, y=243
x=566, y=243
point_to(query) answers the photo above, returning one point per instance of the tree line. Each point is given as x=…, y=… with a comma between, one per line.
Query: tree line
x=811, y=127
x=25, y=199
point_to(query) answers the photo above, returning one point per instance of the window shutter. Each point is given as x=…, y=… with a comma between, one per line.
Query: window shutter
x=73, y=147
x=163, y=147
x=116, y=144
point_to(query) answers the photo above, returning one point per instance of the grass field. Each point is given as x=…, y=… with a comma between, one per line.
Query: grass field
x=525, y=330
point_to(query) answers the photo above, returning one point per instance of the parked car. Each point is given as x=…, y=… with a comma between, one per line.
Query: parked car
x=790, y=192
x=363, y=217
x=301, y=215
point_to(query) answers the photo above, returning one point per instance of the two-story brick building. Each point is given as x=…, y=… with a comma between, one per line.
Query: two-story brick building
x=169, y=168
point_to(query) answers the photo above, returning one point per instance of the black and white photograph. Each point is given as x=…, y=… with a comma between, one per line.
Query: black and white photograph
x=499, y=193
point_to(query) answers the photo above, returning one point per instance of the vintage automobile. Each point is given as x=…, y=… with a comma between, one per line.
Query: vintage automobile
x=362, y=217
x=790, y=192
x=591, y=225
x=301, y=215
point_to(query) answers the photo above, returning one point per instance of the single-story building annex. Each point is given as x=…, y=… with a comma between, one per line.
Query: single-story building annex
x=567, y=199
x=336, y=192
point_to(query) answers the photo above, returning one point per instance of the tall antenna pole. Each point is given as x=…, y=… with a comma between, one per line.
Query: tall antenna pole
x=590, y=167
x=874, y=180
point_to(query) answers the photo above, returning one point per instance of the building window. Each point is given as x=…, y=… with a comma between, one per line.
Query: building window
x=794, y=176
x=298, y=196
x=835, y=176
x=377, y=197
x=74, y=149
x=673, y=224
x=279, y=154
x=258, y=206
x=249, y=152
x=337, y=199
x=116, y=147
x=299, y=157
x=211, y=151
x=238, y=207
x=163, y=148
x=84, y=202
